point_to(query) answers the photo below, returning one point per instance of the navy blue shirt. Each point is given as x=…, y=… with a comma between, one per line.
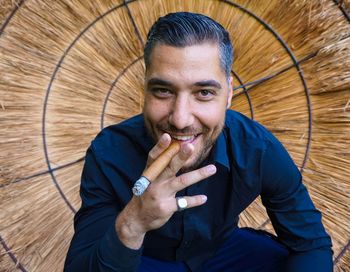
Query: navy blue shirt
x=250, y=162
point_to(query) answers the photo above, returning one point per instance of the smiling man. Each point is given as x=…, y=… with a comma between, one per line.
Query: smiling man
x=187, y=96
x=186, y=218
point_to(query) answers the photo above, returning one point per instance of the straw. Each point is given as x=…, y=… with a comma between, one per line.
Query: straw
x=70, y=68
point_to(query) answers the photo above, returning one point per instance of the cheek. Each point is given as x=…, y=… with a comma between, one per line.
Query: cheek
x=155, y=111
x=212, y=117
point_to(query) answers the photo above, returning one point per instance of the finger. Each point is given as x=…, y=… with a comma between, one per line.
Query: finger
x=192, y=201
x=162, y=144
x=187, y=179
x=178, y=161
x=158, y=166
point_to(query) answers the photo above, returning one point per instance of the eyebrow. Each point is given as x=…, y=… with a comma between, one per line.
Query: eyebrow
x=204, y=83
x=208, y=83
x=158, y=81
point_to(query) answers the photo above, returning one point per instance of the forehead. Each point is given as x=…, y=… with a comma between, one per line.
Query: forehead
x=194, y=60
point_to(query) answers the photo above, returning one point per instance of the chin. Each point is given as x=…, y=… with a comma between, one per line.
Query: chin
x=195, y=162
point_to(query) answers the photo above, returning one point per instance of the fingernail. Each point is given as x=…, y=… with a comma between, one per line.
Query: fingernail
x=211, y=169
x=204, y=198
x=164, y=137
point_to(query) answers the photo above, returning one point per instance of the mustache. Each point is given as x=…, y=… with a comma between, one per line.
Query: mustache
x=173, y=130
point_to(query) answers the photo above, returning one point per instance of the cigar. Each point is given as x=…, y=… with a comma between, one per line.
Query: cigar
x=154, y=170
x=158, y=166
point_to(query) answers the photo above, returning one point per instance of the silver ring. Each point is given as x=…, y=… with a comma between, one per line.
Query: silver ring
x=140, y=186
x=181, y=203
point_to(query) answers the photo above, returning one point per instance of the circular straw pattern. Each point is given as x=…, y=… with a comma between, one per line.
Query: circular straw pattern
x=70, y=68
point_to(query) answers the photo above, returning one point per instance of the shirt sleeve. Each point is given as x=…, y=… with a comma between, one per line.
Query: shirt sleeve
x=293, y=215
x=95, y=245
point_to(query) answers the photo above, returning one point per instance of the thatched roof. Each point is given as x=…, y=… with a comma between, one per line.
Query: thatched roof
x=69, y=68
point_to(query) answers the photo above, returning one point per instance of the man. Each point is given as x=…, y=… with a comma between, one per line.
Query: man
x=186, y=218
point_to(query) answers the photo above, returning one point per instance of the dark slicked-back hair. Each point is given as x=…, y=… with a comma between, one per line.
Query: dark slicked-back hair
x=182, y=29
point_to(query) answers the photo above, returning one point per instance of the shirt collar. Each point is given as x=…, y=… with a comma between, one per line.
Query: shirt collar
x=219, y=152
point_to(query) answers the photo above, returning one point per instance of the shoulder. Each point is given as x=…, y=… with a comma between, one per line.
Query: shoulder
x=259, y=156
x=128, y=135
x=122, y=149
x=242, y=128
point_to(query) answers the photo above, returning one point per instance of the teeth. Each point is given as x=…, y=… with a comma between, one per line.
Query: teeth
x=183, y=138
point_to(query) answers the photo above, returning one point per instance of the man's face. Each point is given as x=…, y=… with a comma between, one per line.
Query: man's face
x=186, y=96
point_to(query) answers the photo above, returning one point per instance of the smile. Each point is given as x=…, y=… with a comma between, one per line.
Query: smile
x=184, y=138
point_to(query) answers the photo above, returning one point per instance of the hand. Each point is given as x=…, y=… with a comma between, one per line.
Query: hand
x=157, y=204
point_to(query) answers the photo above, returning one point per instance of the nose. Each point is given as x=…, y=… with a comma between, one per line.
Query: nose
x=181, y=113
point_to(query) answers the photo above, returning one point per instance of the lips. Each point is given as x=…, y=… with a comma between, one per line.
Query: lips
x=184, y=138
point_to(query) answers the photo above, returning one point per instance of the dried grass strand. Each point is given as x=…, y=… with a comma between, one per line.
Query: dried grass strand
x=93, y=87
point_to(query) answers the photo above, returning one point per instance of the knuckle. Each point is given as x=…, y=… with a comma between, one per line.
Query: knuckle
x=203, y=172
x=151, y=155
x=184, y=155
x=152, y=192
x=182, y=180
x=163, y=209
x=171, y=168
x=196, y=201
x=193, y=201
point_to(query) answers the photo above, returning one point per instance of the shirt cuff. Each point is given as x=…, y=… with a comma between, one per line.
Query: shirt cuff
x=114, y=253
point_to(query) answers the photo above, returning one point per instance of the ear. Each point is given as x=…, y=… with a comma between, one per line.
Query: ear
x=230, y=92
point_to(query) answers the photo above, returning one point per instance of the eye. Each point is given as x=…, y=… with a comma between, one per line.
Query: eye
x=161, y=92
x=205, y=94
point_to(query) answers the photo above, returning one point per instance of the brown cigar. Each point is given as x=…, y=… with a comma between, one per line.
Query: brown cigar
x=158, y=166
